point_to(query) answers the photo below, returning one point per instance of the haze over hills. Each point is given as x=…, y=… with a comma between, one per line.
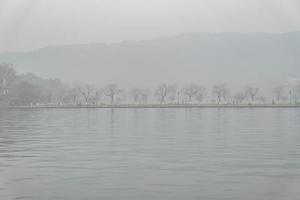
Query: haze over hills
x=233, y=58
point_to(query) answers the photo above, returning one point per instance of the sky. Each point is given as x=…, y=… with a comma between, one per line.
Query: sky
x=30, y=24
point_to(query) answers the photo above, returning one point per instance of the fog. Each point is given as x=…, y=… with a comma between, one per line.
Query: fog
x=146, y=43
x=149, y=99
x=31, y=24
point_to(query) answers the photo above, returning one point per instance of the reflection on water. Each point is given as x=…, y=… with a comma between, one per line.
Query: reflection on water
x=134, y=154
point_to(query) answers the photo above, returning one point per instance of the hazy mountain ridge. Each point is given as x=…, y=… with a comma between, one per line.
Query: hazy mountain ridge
x=197, y=57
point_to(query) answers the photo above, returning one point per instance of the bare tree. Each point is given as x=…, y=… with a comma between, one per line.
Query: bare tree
x=121, y=97
x=164, y=91
x=140, y=95
x=136, y=94
x=48, y=96
x=261, y=99
x=145, y=96
x=192, y=91
x=297, y=92
x=172, y=98
x=294, y=90
x=98, y=96
x=221, y=92
x=240, y=97
x=251, y=92
x=72, y=94
x=278, y=93
x=199, y=96
x=111, y=91
x=87, y=92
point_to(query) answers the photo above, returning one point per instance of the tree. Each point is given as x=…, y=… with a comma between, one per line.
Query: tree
x=73, y=94
x=28, y=94
x=251, y=92
x=140, y=95
x=278, y=93
x=54, y=91
x=199, y=96
x=145, y=96
x=294, y=90
x=136, y=94
x=87, y=92
x=164, y=91
x=56, y=88
x=261, y=99
x=8, y=78
x=297, y=92
x=98, y=96
x=221, y=92
x=111, y=91
x=240, y=97
x=193, y=90
x=121, y=97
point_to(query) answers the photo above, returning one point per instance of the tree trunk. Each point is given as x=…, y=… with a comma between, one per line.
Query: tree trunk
x=111, y=99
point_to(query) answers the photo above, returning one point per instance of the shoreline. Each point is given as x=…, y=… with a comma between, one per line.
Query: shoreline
x=158, y=106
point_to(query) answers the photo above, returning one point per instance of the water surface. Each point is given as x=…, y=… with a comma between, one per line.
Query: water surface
x=147, y=154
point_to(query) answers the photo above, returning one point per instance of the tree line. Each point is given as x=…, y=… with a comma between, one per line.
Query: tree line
x=30, y=90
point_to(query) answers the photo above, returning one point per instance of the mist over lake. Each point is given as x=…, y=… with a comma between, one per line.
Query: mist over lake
x=70, y=154
x=149, y=100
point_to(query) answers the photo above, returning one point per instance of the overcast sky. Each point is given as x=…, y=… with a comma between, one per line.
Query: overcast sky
x=30, y=24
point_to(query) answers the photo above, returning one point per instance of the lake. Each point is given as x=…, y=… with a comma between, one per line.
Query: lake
x=148, y=154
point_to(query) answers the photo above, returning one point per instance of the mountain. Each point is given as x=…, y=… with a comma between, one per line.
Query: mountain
x=234, y=58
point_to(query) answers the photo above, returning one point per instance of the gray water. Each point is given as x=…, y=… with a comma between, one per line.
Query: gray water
x=148, y=154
